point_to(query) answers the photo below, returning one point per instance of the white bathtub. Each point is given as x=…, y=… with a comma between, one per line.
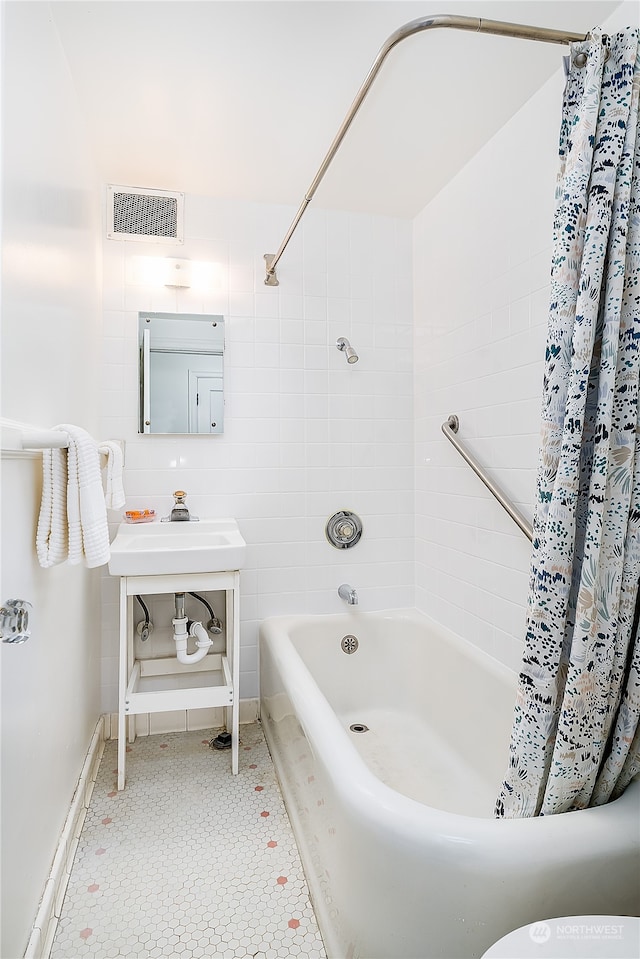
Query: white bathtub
x=395, y=825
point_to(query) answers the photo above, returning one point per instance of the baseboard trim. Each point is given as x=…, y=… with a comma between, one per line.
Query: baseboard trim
x=50, y=908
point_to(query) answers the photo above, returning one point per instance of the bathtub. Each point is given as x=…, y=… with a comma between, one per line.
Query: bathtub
x=389, y=759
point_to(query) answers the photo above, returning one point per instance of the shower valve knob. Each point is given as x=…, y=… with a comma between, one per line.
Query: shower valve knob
x=343, y=529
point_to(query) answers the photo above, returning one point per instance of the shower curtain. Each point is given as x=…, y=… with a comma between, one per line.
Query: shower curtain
x=576, y=736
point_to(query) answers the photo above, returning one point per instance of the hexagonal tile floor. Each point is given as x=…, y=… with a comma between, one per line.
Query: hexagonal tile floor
x=188, y=860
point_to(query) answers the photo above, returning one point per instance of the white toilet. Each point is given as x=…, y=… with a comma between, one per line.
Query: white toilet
x=571, y=937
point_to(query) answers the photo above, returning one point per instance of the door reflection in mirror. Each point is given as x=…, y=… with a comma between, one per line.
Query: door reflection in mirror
x=181, y=373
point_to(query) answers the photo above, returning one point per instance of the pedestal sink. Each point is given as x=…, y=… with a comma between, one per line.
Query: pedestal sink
x=149, y=549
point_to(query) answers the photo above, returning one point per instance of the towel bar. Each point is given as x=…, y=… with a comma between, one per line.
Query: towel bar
x=44, y=440
x=20, y=439
x=23, y=439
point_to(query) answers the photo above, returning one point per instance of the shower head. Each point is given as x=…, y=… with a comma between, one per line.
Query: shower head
x=343, y=344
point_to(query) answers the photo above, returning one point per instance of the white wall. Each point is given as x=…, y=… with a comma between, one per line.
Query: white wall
x=50, y=322
x=305, y=433
x=482, y=254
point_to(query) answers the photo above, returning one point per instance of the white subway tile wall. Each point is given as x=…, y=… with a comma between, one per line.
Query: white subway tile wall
x=305, y=433
x=448, y=315
x=482, y=256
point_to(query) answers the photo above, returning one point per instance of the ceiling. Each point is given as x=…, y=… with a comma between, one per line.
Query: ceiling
x=242, y=98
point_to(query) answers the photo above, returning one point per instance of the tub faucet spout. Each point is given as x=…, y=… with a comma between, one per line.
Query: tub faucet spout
x=349, y=594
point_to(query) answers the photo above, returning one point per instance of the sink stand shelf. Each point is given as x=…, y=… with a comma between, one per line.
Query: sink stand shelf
x=162, y=685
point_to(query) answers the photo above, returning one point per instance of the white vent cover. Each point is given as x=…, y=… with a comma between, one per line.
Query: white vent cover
x=138, y=214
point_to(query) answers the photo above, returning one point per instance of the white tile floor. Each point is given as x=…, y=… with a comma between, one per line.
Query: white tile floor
x=188, y=860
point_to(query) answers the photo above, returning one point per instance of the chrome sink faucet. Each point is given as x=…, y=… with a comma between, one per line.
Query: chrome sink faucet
x=349, y=594
x=180, y=512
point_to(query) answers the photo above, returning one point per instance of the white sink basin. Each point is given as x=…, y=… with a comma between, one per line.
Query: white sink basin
x=148, y=549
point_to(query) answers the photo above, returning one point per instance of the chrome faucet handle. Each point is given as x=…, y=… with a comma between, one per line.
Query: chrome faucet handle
x=180, y=497
x=180, y=511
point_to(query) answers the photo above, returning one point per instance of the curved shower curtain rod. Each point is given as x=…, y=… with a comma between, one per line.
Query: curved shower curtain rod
x=451, y=21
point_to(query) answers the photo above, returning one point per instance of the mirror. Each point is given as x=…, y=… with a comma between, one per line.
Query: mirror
x=181, y=373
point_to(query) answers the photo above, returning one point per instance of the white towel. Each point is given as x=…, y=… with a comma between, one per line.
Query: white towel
x=52, y=541
x=86, y=508
x=81, y=503
x=114, y=495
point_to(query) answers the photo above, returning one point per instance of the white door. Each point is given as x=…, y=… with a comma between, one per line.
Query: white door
x=205, y=402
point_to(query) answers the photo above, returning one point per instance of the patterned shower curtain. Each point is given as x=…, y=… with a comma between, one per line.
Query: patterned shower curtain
x=576, y=732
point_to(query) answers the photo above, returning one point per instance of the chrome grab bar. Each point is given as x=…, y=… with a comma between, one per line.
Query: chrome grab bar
x=451, y=21
x=450, y=428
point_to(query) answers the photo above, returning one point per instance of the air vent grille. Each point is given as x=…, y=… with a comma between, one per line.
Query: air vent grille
x=149, y=215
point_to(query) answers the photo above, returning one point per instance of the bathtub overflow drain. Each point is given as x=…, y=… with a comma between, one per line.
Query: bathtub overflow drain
x=349, y=644
x=358, y=728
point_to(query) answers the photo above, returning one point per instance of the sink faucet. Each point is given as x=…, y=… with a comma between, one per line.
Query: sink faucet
x=349, y=594
x=180, y=512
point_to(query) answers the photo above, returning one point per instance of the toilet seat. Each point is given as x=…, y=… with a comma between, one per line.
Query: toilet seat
x=571, y=937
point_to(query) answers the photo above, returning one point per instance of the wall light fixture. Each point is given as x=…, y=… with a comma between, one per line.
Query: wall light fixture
x=177, y=272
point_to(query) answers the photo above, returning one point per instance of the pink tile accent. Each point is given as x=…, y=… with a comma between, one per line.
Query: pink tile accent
x=259, y=789
x=264, y=814
x=164, y=745
x=294, y=923
x=93, y=887
x=114, y=792
x=107, y=820
x=100, y=851
x=86, y=933
x=253, y=766
x=272, y=844
x=281, y=880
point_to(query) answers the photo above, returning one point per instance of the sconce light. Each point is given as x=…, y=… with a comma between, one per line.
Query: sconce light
x=157, y=271
x=177, y=272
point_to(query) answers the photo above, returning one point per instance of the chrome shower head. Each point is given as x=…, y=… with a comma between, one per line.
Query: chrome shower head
x=343, y=344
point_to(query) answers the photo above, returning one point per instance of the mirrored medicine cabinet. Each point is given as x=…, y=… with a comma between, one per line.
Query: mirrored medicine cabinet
x=181, y=373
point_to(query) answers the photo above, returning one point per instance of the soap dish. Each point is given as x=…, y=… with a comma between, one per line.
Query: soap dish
x=139, y=516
